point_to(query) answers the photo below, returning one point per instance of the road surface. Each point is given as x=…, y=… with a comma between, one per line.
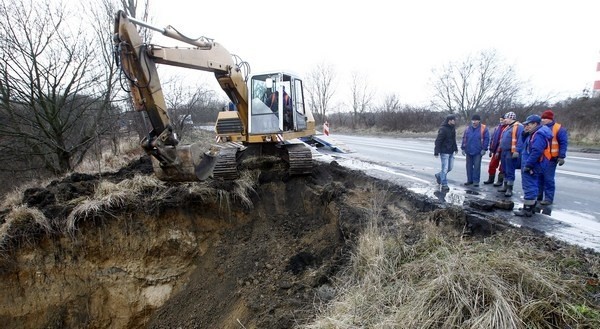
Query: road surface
x=574, y=217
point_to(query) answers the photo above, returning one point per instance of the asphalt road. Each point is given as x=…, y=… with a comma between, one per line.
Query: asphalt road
x=574, y=217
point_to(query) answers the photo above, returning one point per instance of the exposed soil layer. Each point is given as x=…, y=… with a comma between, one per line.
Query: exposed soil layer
x=179, y=258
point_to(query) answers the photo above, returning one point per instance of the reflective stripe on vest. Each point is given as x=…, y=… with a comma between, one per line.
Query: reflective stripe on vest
x=513, y=144
x=482, y=131
x=554, y=147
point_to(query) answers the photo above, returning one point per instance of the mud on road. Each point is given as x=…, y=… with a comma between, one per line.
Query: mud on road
x=194, y=255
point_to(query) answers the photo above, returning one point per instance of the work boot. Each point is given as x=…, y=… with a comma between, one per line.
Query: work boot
x=500, y=180
x=503, y=188
x=509, y=188
x=527, y=210
x=546, y=203
x=490, y=180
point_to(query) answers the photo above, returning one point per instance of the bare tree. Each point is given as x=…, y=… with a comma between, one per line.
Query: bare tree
x=388, y=113
x=49, y=84
x=320, y=88
x=361, y=98
x=190, y=104
x=479, y=84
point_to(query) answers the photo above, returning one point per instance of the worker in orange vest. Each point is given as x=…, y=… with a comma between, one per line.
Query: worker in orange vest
x=533, y=163
x=556, y=153
x=510, y=147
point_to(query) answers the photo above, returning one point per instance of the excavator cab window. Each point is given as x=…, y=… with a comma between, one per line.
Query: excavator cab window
x=275, y=101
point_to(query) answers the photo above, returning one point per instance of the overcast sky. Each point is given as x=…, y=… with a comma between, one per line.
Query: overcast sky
x=554, y=45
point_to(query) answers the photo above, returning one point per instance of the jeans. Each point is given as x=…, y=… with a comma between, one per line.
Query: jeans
x=447, y=164
x=473, y=168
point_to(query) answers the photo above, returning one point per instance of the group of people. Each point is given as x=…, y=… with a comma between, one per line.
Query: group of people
x=536, y=146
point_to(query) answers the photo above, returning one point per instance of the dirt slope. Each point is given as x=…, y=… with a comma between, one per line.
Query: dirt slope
x=191, y=255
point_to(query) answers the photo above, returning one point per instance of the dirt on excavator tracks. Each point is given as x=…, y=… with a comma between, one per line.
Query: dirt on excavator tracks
x=177, y=257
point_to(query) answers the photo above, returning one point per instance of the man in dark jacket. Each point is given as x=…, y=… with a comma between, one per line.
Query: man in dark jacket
x=445, y=148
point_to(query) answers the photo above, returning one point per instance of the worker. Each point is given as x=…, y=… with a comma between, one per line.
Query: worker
x=510, y=146
x=445, y=148
x=495, y=156
x=475, y=141
x=557, y=153
x=536, y=138
x=272, y=101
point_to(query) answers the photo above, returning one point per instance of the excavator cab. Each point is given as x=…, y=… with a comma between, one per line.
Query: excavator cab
x=277, y=103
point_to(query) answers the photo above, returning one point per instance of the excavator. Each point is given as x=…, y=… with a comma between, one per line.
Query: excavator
x=267, y=116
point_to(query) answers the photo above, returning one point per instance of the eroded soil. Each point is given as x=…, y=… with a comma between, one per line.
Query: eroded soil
x=178, y=258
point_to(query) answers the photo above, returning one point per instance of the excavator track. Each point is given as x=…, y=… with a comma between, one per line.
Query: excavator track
x=299, y=159
x=226, y=167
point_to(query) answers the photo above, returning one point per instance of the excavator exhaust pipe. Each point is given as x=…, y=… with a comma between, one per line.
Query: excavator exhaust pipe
x=192, y=164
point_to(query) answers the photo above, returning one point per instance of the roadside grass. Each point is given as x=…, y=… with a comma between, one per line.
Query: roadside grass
x=426, y=275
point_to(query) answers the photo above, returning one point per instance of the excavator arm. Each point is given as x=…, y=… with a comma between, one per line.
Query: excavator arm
x=138, y=63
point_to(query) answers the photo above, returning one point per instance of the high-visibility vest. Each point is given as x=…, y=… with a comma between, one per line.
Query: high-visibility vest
x=513, y=144
x=481, y=129
x=554, y=147
x=546, y=150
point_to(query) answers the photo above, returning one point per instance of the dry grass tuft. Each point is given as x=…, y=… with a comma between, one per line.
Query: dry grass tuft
x=245, y=186
x=110, y=196
x=15, y=197
x=21, y=225
x=422, y=277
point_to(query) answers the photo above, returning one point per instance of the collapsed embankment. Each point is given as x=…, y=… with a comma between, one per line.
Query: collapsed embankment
x=126, y=251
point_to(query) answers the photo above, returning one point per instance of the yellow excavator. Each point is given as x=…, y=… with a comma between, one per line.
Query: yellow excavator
x=267, y=113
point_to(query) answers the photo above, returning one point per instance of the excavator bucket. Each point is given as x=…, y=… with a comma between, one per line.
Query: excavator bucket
x=192, y=164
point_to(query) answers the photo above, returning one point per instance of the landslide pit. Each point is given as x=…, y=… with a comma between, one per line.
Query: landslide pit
x=253, y=254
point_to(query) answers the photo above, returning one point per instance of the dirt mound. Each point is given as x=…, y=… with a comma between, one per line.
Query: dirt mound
x=192, y=255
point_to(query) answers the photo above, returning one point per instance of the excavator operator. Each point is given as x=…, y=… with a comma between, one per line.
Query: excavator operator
x=272, y=100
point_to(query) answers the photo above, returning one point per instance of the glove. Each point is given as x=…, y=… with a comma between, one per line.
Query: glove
x=561, y=161
x=528, y=170
x=463, y=152
x=436, y=155
x=483, y=152
x=491, y=154
x=515, y=155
